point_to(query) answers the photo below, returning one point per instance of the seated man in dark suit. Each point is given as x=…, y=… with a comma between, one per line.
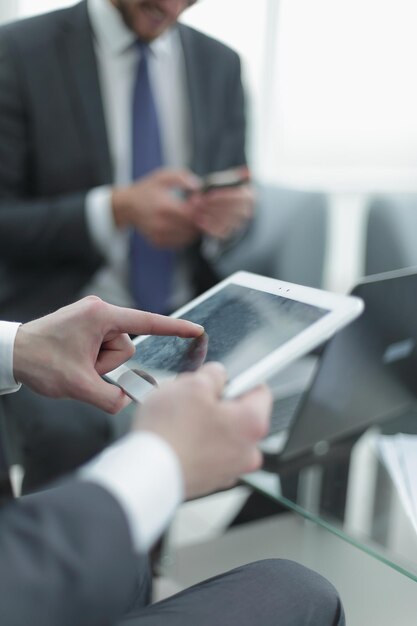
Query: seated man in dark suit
x=95, y=102
x=76, y=553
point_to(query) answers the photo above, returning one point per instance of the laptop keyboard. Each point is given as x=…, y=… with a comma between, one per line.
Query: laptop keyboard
x=283, y=411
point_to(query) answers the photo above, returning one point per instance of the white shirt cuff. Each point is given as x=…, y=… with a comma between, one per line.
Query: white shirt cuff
x=100, y=222
x=143, y=473
x=8, y=332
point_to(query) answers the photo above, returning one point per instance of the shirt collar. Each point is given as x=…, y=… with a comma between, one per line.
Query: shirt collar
x=112, y=33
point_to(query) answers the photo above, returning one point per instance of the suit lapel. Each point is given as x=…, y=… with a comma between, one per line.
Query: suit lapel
x=202, y=274
x=195, y=97
x=79, y=63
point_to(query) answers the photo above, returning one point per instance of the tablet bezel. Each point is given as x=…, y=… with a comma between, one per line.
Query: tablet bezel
x=341, y=310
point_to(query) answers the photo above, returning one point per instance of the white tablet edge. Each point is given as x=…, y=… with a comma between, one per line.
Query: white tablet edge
x=341, y=310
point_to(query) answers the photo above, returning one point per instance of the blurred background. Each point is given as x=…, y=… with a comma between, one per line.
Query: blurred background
x=332, y=103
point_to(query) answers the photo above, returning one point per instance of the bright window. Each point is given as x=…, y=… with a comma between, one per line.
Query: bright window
x=345, y=94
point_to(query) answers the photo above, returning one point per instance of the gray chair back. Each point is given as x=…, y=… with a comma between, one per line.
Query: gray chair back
x=391, y=237
x=287, y=239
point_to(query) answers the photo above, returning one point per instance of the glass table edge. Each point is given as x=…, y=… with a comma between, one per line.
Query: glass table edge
x=371, y=550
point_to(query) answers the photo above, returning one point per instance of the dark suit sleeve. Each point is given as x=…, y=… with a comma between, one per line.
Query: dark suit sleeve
x=65, y=559
x=33, y=229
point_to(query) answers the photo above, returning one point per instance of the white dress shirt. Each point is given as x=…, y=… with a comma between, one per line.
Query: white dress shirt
x=141, y=470
x=117, y=58
x=8, y=332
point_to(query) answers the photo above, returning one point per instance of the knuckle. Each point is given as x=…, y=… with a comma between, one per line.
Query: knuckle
x=200, y=382
x=92, y=299
x=148, y=321
x=254, y=461
x=258, y=431
x=111, y=400
x=80, y=383
x=93, y=303
x=257, y=426
x=113, y=405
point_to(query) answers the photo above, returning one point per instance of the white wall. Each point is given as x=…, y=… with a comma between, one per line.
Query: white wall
x=345, y=94
x=8, y=10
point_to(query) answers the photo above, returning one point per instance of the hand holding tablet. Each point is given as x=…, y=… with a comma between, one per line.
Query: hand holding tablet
x=254, y=326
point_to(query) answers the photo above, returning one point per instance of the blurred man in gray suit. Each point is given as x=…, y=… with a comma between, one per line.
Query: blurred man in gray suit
x=108, y=110
x=68, y=190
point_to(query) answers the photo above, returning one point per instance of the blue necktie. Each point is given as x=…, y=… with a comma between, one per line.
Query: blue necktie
x=151, y=268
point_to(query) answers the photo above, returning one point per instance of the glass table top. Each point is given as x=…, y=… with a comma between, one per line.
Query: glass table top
x=364, y=490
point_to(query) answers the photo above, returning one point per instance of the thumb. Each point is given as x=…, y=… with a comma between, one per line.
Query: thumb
x=214, y=375
x=252, y=411
x=102, y=394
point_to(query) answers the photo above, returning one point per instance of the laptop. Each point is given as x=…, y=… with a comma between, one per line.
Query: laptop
x=367, y=374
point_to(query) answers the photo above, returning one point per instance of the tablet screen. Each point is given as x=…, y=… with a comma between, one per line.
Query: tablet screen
x=242, y=326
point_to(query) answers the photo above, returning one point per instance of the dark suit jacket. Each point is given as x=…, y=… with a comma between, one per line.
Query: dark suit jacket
x=54, y=149
x=66, y=558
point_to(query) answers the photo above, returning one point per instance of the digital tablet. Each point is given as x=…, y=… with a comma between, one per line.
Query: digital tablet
x=254, y=325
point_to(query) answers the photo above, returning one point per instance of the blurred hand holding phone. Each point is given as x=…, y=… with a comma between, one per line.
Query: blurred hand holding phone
x=233, y=177
x=226, y=202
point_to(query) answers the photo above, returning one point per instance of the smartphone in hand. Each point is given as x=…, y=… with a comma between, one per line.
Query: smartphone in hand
x=233, y=177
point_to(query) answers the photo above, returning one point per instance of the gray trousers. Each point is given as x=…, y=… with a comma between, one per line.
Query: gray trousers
x=273, y=592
